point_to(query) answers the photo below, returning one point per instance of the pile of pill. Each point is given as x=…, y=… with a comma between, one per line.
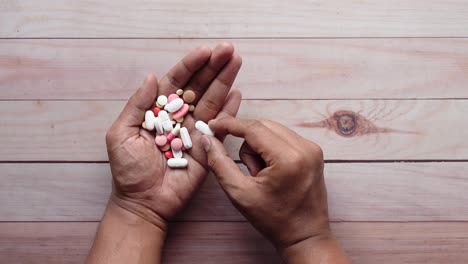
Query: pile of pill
x=166, y=119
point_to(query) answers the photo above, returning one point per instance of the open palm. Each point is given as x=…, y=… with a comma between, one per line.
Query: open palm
x=142, y=182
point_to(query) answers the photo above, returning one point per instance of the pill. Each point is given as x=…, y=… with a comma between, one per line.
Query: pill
x=160, y=140
x=156, y=111
x=181, y=113
x=158, y=105
x=173, y=122
x=168, y=154
x=165, y=121
x=143, y=125
x=191, y=108
x=185, y=136
x=180, y=120
x=162, y=100
x=176, y=144
x=174, y=133
x=174, y=105
x=179, y=92
x=177, y=163
x=158, y=126
x=165, y=147
x=149, y=120
x=189, y=96
x=177, y=153
x=204, y=128
x=172, y=97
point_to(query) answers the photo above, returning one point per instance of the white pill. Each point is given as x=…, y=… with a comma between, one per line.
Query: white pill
x=174, y=105
x=158, y=126
x=167, y=125
x=162, y=100
x=165, y=121
x=177, y=163
x=175, y=131
x=180, y=92
x=163, y=116
x=178, y=154
x=185, y=136
x=149, y=120
x=204, y=128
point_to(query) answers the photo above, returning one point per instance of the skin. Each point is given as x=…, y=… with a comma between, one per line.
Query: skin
x=146, y=193
x=285, y=199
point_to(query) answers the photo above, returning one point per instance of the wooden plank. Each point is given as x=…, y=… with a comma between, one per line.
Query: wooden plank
x=272, y=69
x=442, y=242
x=382, y=130
x=215, y=19
x=357, y=192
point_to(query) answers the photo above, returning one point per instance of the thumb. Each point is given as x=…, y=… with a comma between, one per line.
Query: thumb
x=228, y=174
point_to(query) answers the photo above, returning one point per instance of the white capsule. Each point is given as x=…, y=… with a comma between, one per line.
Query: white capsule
x=177, y=163
x=174, y=105
x=178, y=154
x=185, y=136
x=204, y=128
x=149, y=120
x=175, y=131
x=162, y=100
x=158, y=126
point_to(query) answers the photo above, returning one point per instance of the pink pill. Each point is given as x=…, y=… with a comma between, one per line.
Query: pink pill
x=172, y=97
x=181, y=112
x=165, y=147
x=170, y=137
x=160, y=140
x=176, y=144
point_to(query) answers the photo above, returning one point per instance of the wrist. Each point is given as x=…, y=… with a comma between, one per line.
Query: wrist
x=125, y=237
x=321, y=248
x=139, y=210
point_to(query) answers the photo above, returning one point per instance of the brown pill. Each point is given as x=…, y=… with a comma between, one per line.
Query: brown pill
x=189, y=96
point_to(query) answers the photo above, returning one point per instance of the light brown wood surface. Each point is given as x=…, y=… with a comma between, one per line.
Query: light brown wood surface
x=384, y=129
x=357, y=192
x=243, y=18
x=366, y=243
x=397, y=70
x=299, y=69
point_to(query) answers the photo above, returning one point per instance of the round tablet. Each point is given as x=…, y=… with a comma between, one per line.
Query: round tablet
x=176, y=144
x=160, y=140
x=189, y=96
x=165, y=147
x=162, y=100
x=179, y=92
x=168, y=154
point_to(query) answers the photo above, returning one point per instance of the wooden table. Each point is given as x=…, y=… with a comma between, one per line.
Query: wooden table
x=381, y=85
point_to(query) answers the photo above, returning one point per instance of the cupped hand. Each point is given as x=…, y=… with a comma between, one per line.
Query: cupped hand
x=285, y=199
x=142, y=182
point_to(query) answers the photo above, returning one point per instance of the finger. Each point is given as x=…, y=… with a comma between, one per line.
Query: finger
x=213, y=99
x=129, y=121
x=181, y=73
x=230, y=108
x=229, y=175
x=202, y=79
x=251, y=159
x=260, y=138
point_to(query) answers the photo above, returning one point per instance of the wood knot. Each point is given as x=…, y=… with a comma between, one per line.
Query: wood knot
x=345, y=122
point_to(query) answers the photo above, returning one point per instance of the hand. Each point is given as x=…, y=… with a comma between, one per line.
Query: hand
x=142, y=182
x=285, y=199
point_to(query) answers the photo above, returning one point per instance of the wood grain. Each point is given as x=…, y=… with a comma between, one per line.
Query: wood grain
x=215, y=19
x=207, y=242
x=272, y=69
x=357, y=192
x=383, y=129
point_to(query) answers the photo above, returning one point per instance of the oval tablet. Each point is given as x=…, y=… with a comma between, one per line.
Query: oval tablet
x=204, y=128
x=177, y=163
x=181, y=113
x=158, y=126
x=149, y=120
x=174, y=105
x=185, y=136
x=172, y=97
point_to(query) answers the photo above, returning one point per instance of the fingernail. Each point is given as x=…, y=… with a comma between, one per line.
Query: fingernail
x=206, y=142
x=212, y=122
